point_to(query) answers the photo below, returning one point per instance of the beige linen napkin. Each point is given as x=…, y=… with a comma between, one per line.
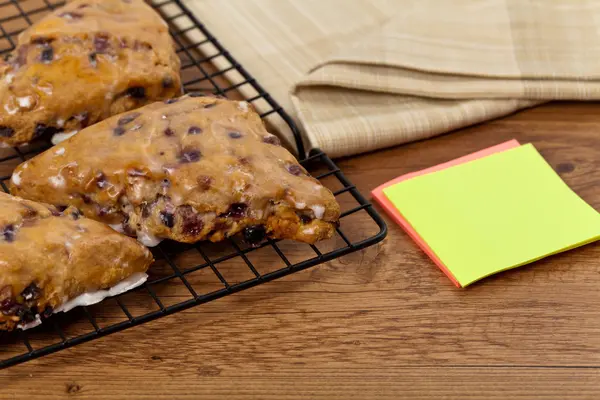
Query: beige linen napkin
x=359, y=75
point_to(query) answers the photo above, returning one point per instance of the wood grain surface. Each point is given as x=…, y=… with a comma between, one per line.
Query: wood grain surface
x=383, y=323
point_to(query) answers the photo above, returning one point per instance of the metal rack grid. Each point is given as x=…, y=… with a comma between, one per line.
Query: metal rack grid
x=207, y=271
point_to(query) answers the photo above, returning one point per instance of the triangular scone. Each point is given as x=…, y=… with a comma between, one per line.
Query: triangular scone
x=83, y=63
x=49, y=259
x=189, y=169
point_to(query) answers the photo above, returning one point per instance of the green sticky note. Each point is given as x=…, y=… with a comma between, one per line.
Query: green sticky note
x=495, y=213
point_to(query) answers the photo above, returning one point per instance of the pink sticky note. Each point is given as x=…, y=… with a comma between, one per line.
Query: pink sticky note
x=393, y=212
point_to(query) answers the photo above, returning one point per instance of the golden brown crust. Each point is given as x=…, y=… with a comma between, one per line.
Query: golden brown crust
x=48, y=257
x=83, y=63
x=189, y=169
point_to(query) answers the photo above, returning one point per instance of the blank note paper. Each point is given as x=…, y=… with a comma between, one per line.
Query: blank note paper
x=494, y=213
x=389, y=207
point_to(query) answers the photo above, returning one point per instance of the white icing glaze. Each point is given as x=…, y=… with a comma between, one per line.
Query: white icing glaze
x=318, y=210
x=10, y=110
x=300, y=206
x=61, y=137
x=25, y=165
x=57, y=181
x=169, y=170
x=24, y=102
x=8, y=78
x=16, y=178
x=60, y=122
x=147, y=239
x=243, y=105
x=60, y=151
x=46, y=89
x=83, y=299
x=136, y=279
x=89, y=298
x=117, y=227
x=309, y=230
x=31, y=324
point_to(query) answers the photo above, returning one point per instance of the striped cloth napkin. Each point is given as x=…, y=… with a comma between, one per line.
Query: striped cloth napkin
x=360, y=75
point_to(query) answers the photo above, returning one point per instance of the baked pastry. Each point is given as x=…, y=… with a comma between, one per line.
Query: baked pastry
x=187, y=169
x=51, y=261
x=83, y=63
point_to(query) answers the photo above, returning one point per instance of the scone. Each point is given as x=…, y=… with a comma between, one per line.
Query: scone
x=187, y=169
x=52, y=261
x=83, y=63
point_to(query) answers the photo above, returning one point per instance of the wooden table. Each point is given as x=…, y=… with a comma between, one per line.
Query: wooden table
x=384, y=323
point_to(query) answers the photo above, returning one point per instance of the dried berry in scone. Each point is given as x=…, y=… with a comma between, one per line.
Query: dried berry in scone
x=192, y=169
x=83, y=63
x=48, y=259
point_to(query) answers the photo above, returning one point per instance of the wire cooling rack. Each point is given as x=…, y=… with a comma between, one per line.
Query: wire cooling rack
x=207, y=271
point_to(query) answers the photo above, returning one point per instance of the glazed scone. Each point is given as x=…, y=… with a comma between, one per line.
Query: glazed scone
x=49, y=259
x=187, y=169
x=83, y=63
